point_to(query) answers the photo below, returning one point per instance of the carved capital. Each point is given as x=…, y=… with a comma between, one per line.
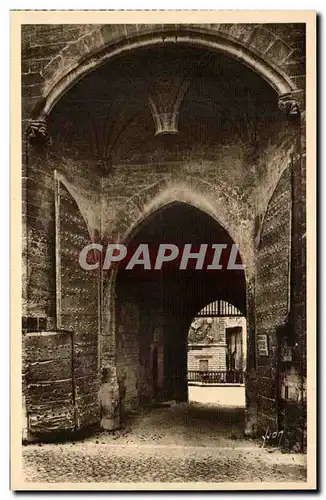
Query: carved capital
x=288, y=104
x=37, y=132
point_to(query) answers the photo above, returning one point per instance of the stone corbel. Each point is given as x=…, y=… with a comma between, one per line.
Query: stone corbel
x=104, y=163
x=165, y=123
x=165, y=106
x=288, y=104
x=37, y=132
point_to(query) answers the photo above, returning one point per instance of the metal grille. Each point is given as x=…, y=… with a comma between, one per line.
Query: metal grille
x=216, y=377
x=219, y=308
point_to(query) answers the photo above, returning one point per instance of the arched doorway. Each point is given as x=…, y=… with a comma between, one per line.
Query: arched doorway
x=155, y=306
x=106, y=137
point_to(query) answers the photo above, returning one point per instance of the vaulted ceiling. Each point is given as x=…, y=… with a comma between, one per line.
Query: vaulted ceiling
x=159, y=102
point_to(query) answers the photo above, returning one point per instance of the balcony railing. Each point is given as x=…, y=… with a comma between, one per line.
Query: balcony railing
x=216, y=377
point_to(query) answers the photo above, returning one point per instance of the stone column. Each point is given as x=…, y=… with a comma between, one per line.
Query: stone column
x=109, y=398
x=298, y=313
x=38, y=242
x=109, y=390
x=180, y=366
x=251, y=373
x=290, y=106
x=39, y=285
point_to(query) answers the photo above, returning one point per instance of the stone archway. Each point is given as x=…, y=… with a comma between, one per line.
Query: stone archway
x=161, y=305
x=212, y=187
x=197, y=193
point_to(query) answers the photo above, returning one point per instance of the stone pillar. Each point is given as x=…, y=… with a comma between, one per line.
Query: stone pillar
x=251, y=374
x=38, y=241
x=109, y=390
x=177, y=368
x=181, y=367
x=297, y=316
x=39, y=283
x=109, y=399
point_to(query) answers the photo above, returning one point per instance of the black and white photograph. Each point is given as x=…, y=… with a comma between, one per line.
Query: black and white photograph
x=166, y=338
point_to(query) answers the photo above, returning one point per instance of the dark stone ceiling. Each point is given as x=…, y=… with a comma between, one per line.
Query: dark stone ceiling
x=107, y=113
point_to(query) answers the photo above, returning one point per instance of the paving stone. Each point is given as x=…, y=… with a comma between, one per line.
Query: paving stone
x=186, y=453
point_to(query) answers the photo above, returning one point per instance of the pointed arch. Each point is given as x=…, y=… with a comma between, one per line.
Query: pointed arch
x=162, y=194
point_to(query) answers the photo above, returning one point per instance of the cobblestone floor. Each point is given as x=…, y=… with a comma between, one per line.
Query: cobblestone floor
x=177, y=444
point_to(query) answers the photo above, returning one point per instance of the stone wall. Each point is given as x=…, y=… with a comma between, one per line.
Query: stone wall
x=132, y=193
x=272, y=303
x=78, y=308
x=281, y=393
x=38, y=211
x=127, y=354
x=139, y=333
x=38, y=269
x=214, y=354
x=48, y=385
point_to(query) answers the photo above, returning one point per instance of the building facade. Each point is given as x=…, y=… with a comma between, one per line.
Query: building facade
x=217, y=344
